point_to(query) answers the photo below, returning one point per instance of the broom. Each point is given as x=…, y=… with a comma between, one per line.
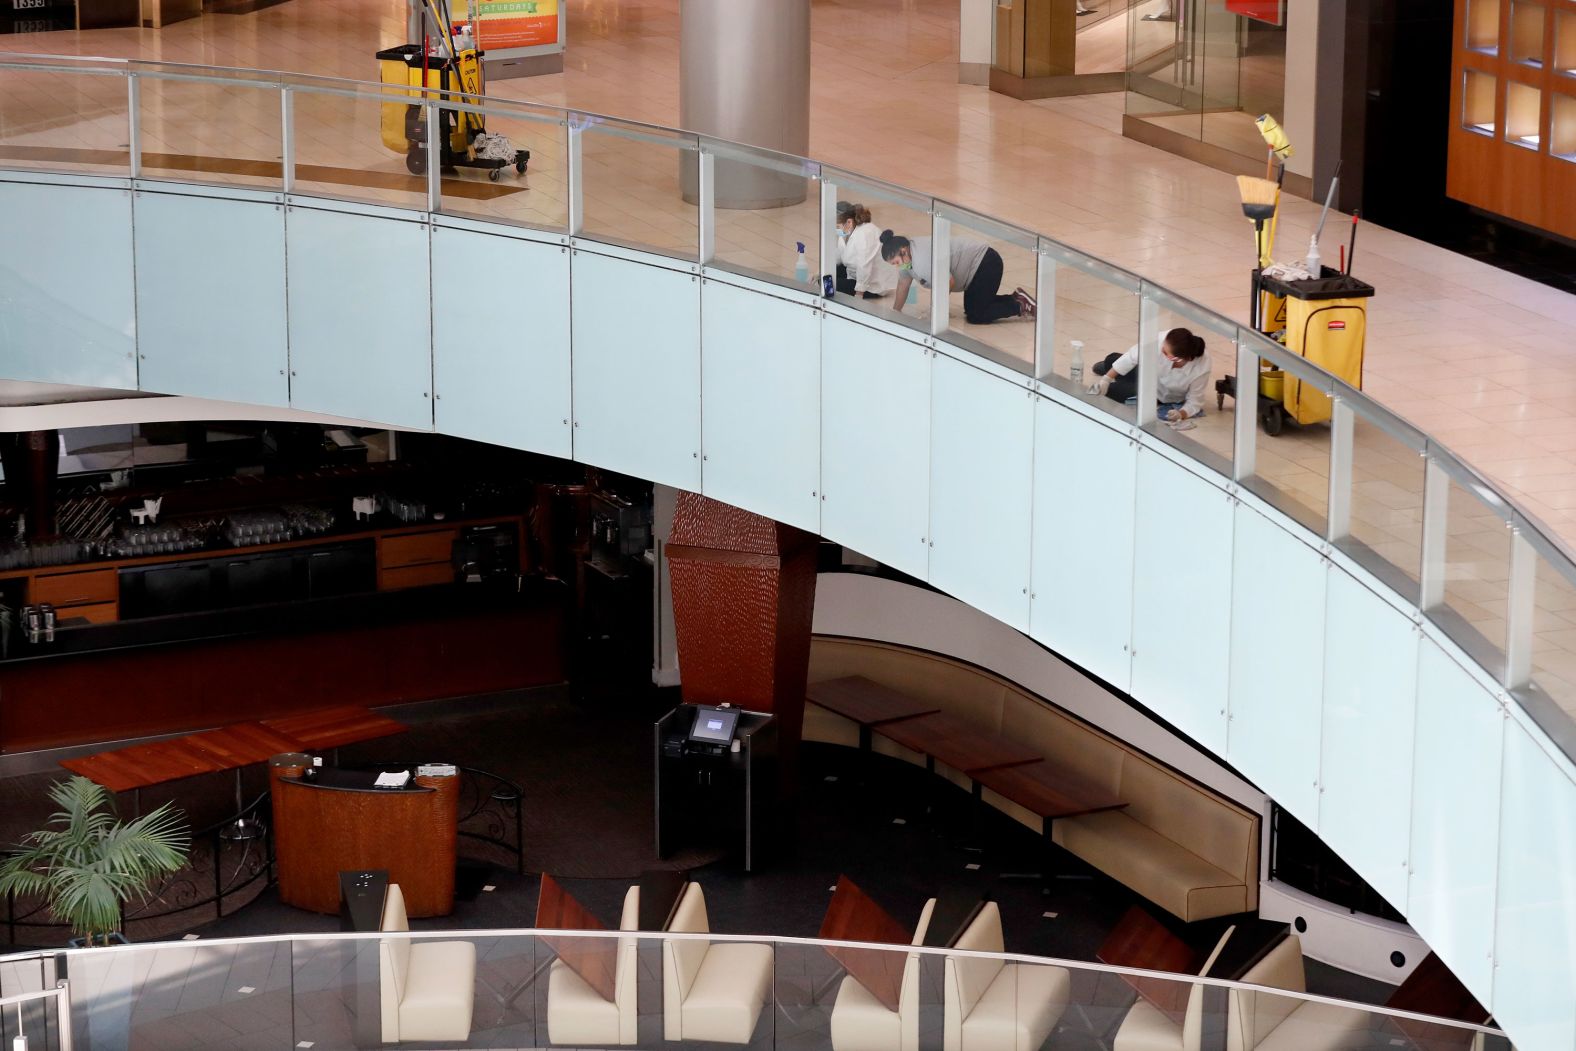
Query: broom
x=1259, y=198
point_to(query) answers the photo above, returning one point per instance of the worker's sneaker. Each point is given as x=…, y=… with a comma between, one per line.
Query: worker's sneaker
x=1027, y=307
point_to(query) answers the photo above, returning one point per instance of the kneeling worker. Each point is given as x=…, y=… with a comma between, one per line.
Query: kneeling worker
x=1179, y=388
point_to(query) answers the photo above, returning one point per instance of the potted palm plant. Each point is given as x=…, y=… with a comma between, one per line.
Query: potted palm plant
x=86, y=864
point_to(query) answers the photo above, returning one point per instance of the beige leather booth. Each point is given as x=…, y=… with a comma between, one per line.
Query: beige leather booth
x=1263, y=1021
x=992, y=1005
x=1183, y=847
x=861, y=1022
x=577, y=1014
x=710, y=990
x=1147, y=1028
x=426, y=988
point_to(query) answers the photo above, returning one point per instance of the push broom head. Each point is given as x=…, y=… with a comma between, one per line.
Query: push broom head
x=1258, y=197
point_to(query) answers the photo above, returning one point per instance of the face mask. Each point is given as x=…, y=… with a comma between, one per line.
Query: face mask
x=905, y=266
x=841, y=232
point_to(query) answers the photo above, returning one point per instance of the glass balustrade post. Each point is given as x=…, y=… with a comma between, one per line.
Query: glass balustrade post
x=1338, y=516
x=1436, y=512
x=133, y=123
x=434, y=158
x=1045, y=314
x=1148, y=356
x=1520, y=609
x=706, y=185
x=574, y=172
x=940, y=271
x=287, y=137
x=1246, y=419
x=829, y=247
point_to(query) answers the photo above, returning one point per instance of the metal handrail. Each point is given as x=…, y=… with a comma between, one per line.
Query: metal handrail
x=1088, y=966
x=1529, y=535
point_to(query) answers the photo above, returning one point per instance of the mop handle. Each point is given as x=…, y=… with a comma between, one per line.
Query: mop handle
x=1335, y=180
x=1351, y=256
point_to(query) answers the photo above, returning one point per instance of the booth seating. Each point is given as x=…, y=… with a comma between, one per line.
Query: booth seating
x=426, y=988
x=992, y=1005
x=1183, y=847
x=1148, y=1028
x=710, y=990
x=1263, y=1021
x=861, y=1022
x=578, y=1014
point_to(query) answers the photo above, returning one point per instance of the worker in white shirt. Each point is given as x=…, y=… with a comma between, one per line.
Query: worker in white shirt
x=1179, y=387
x=860, y=268
x=973, y=268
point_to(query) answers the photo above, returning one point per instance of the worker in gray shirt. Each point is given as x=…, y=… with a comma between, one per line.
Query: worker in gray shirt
x=975, y=269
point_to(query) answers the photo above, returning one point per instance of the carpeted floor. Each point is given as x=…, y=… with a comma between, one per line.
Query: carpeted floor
x=585, y=770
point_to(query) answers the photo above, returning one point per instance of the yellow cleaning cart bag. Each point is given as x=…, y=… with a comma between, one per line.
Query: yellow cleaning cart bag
x=1327, y=323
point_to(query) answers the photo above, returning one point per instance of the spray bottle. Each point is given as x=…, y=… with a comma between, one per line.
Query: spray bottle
x=1075, y=366
x=801, y=268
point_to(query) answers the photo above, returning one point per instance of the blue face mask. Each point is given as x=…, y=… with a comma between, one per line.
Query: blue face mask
x=841, y=233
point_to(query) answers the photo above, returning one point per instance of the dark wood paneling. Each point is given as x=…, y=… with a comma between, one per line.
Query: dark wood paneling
x=191, y=686
x=321, y=832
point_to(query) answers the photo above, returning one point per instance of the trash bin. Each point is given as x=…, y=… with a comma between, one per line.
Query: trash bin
x=1327, y=323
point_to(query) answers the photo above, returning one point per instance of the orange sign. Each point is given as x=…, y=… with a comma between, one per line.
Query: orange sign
x=502, y=24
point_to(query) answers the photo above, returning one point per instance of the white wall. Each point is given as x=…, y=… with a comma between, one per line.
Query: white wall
x=974, y=30
x=870, y=607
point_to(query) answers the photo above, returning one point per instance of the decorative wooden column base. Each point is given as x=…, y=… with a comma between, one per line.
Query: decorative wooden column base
x=743, y=596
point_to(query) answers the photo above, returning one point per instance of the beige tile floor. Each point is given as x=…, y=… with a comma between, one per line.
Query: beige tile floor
x=1484, y=360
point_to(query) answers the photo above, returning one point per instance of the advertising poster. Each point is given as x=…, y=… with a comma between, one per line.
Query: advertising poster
x=502, y=24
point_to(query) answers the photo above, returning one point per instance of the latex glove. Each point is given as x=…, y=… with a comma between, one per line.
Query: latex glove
x=1100, y=385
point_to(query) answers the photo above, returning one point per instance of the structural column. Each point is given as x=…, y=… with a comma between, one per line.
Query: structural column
x=744, y=76
x=743, y=598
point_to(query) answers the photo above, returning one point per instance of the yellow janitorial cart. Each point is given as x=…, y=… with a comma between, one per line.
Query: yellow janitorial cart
x=464, y=143
x=1325, y=321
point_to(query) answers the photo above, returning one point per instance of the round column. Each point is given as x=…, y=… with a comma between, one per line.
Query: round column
x=744, y=75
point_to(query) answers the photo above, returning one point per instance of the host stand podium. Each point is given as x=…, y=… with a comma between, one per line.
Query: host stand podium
x=717, y=784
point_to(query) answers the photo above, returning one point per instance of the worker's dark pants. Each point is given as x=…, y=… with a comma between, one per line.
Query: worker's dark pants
x=981, y=302
x=1122, y=387
x=847, y=285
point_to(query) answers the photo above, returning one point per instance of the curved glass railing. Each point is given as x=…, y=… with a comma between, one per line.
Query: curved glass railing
x=1370, y=484
x=512, y=988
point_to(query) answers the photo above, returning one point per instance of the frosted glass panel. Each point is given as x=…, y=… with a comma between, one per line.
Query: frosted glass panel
x=1083, y=541
x=1277, y=660
x=761, y=411
x=211, y=298
x=875, y=450
x=359, y=321
x=1455, y=816
x=1182, y=599
x=1370, y=693
x=504, y=379
x=67, y=314
x=637, y=369
x=981, y=467
x=1536, y=935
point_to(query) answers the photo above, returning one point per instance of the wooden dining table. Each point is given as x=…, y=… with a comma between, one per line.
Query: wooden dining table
x=854, y=916
x=946, y=739
x=866, y=703
x=1048, y=792
x=1142, y=942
